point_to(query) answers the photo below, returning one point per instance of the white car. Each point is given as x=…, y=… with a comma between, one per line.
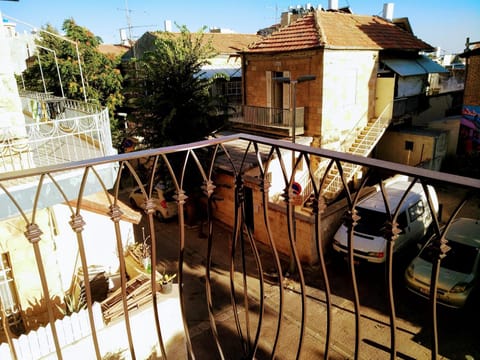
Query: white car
x=413, y=220
x=165, y=205
x=459, y=271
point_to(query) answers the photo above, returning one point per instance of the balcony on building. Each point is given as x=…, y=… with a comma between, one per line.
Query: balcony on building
x=268, y=120
x=55, y=132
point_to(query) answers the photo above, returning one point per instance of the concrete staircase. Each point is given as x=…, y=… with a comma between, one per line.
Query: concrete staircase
x=362, y=145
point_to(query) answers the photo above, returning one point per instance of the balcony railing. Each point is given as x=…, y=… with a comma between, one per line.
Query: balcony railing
x=56, y=131
x=234, y=300
x=271, y=120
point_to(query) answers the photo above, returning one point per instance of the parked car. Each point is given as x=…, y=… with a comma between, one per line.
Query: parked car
x=165, y=204
x=414, y=219
x=459, y=273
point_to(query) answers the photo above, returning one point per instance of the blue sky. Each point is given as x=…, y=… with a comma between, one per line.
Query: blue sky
x=440, y=23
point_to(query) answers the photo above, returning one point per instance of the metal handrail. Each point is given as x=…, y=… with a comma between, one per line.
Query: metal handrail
x=233, y=263
x=55, y=142
x=268, y=116
x=376, y=127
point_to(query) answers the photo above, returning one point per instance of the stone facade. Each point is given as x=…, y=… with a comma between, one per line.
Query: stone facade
x=472, y=82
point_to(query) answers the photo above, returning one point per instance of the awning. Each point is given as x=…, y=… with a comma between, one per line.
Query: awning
x=418, y=66
x=208, y=73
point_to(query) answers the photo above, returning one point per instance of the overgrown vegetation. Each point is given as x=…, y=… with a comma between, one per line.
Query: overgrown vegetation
x=172, y=103
x=101, y=75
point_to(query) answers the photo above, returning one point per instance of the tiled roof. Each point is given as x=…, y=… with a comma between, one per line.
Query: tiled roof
x=225, y=43
x=300, y=35
x=341, y=31
x=115, y=50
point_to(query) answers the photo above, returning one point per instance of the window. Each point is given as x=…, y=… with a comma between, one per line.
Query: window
x=234, y=88
x=409, y=145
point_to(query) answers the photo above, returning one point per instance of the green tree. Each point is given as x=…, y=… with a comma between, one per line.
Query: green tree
x=173, y=104
x=102, y=78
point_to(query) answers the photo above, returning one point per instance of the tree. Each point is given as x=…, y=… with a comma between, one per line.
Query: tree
x=103, y=80
x=173, y=104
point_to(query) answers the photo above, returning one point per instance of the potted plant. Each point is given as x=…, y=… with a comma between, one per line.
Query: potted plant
x=146, y=259
x=165, y=283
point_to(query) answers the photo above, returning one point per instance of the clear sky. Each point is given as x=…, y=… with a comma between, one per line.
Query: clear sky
x=442, y=23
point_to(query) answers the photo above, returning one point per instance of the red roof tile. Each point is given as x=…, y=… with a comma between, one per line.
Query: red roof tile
x=342, y=31
x=223, y=43
x=300, y=35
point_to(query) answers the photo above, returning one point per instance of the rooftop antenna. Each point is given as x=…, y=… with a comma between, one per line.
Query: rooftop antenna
x=276, y=17
x=129, y=23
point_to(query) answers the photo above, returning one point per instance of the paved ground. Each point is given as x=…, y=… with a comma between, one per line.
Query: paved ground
x=413, y=334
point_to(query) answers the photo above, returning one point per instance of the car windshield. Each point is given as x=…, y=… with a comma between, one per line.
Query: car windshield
x=460, y=257
x=373, y=222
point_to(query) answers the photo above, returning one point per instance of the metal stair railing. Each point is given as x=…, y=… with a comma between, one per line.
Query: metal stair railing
x=376, y=128
x=374, y=132
x=349, y=139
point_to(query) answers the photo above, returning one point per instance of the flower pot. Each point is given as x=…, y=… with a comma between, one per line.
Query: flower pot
x=166, y=287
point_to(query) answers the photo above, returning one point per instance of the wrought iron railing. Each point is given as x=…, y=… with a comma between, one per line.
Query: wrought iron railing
x=78, y=131
x=78, y=107
x=235, y=299
x=275, y=119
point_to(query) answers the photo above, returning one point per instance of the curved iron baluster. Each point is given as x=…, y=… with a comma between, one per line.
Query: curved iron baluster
x=391, y=234
x=260, y=271
x=440, y=249
x=77, y=224
x=181, y=198
x=318, y=206
x=208, y=189
x=295, y=263
x=149, y=211
x=351, y=219
x=33, y=235
x=264, y=188
x=235, y=234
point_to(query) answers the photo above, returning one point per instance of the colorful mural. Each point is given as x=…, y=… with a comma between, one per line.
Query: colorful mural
x=472, y=113
x=469, y=140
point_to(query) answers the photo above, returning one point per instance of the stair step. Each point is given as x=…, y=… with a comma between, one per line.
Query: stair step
x=368, y=136
x=371, y=133
x=361, y=146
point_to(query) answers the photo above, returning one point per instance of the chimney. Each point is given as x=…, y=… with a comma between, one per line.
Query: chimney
x=168, y=25
x=388, y=11
x=332, y=4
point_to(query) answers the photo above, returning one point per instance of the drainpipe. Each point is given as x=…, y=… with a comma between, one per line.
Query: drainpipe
x=244, y=75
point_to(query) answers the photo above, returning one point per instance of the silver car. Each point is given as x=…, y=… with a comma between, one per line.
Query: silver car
x=459, y=271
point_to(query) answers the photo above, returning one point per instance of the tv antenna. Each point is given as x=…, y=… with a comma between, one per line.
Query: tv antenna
x=129, y=23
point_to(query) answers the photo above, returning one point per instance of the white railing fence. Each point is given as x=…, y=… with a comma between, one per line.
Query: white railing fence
x=39, y=343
